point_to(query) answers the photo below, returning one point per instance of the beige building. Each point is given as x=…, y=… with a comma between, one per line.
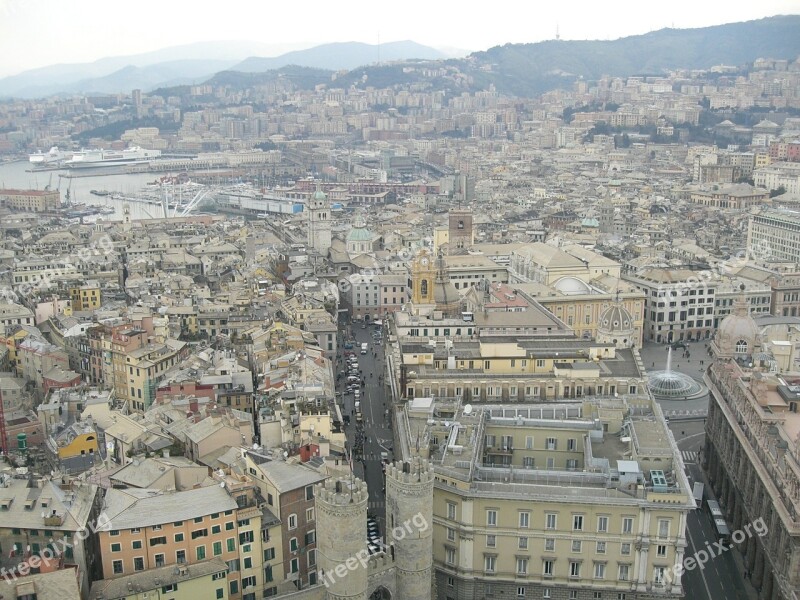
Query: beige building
x=186, y=582
x=551, y=500
x=750, y=453
x=31, y=200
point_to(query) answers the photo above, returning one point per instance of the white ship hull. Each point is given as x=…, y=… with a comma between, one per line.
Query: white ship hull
x=108, y=158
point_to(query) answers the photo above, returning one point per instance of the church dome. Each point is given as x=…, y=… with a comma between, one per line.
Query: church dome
x=615, y=319
x=738, y=333
x=571, y=286
x=359, y=232
x=319, y=195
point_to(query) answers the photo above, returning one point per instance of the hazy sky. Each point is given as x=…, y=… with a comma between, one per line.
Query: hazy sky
x=36, y=33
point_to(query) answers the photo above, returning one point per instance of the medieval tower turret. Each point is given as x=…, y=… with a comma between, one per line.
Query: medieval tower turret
x=409, y=526
x=342, y=527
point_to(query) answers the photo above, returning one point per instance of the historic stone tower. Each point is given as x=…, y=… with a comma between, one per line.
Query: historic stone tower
x=342, y=537
x=319, y=223
x=461, y=231
x=409, y=526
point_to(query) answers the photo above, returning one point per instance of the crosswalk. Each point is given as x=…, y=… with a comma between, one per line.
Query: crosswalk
x=689, y=455
x=375, y=505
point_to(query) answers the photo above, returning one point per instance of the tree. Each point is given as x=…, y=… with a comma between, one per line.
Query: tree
x=777, y=192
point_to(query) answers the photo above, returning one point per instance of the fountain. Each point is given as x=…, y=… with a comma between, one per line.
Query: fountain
x=672, y=385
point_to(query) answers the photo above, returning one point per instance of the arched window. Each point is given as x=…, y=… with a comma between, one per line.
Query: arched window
x=423, y=288
x=741, y=347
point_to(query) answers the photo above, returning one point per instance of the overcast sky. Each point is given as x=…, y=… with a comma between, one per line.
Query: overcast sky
x=36, y=33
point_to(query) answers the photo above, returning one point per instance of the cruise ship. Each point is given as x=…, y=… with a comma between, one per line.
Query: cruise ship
x=51, y=158
x=108, y=158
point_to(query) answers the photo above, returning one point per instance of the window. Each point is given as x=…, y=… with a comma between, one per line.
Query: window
x=599, y=570
x=309, y=515
x=491, y=541
x=574, y=568
x=231, y=544
x=451, y=582
x=180, y=557
x=528, y=462
x=198, y=533
x=229, y=526
x=577, y=522
x=491, y=518
x=234, y=586
x=117, y=566
x=217, y=548
x=577, y=545
x=661, y=550
x=269, y=554
x=451, y=534
x=157, y=541
x=450, y=555
x=627, y=524
x=116, y=547
x=624, y=573
x=572, y=444
x=138, y=563
x=114, y=532
x=523, y=543
x=601, y=547
x=310, y=537
x=663, y=528
x=137, y=545
x=159, y=560
x=597, y=595
x=309, y=492
x=573, y=595
x=220, y=593
x=522, y=566
x=547, y=568
x=658, y=575
x=451, y=510
x=550, y=520
x=201, y=553
x=294, y=566
x=293, y=544
x=550, y=545
x=248, y=582
x=529, y=442
x=625, y=549
x=216, y=529
x=550, y=444
x=178, y=537
x=602, y=524
x=524, y=520
x=246, y=537
x=489, y=563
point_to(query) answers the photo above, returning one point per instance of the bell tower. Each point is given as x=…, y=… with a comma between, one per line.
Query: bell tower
x=319, y=222
x=423, y=276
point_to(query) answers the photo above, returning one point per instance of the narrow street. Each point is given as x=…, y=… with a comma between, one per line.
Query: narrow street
x=373, y=436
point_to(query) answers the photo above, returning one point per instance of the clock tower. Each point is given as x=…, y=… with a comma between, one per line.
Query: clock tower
x=423, y=276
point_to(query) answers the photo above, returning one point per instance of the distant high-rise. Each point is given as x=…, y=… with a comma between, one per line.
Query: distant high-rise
x=136, y=98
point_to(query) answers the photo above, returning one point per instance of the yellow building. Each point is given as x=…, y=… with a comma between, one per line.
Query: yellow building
x=80, y=440
x=146, y=366
x=31, y=200
x=86, y=297
x=206, y=579
x=552, y=500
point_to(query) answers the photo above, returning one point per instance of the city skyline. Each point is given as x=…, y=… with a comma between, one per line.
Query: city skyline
x=48, y=33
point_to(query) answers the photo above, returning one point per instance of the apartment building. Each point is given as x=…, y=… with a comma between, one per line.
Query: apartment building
x=49, y=526
x=154, y=530
x=146, y=367
x=510, y=368
x=556, y=500
x=202, y=580
x=750, y=453
x=678, y=304
x=775, y=235
x=31, y=200
x=86, y=297
x=289, y=492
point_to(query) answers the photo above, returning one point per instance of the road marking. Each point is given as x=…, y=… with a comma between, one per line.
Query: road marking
x=702, y=574
x=689, y=455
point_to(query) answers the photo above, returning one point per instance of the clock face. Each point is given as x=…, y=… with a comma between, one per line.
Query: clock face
x=424, y=262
